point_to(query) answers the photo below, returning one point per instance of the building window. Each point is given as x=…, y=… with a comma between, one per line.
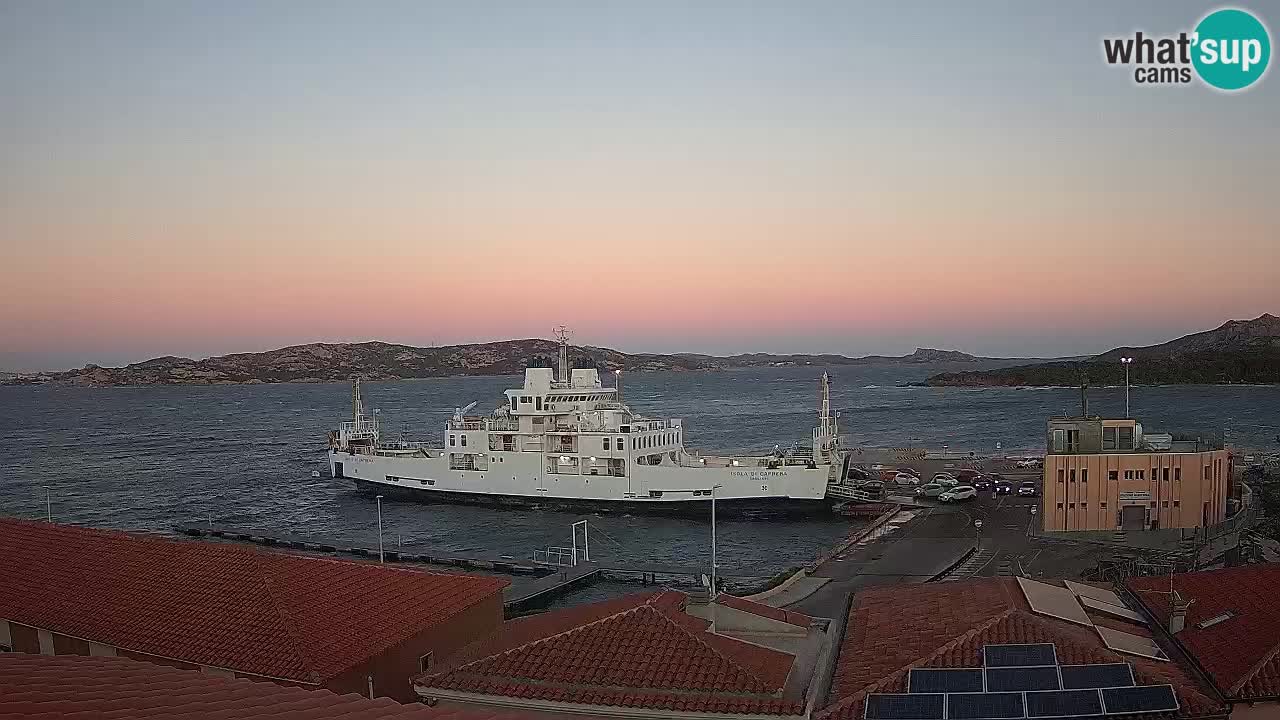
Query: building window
x=424, y=663
x=1059, y=506
x=1155, y=473
x=1109, y=438
x=1126, y=438
x=1141, y=474
x=1177, y=503
x=1165, y=503
x=1206, y=472
x=1060, y=474
x=1084, y=506
x=1084, y=475
x=1177, y=474
x=1113, y=474
x=1128, y=474
x=1059, y=440
x=1073, y=441
x=453, y=440
x=1103, y=505
x=1166, y=474
x=606, y=443
x=1073, y=474
x=1071, y=506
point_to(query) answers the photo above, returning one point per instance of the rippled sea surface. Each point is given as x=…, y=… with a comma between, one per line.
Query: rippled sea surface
x=154, y=457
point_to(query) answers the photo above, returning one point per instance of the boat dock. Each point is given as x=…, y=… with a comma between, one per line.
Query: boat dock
x=543, y=584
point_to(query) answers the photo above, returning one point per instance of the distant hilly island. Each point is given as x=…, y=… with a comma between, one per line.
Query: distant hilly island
x=1237, y=352
x=329, y=362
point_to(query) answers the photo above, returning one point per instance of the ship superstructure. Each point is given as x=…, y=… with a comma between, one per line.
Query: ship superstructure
x=564, y=438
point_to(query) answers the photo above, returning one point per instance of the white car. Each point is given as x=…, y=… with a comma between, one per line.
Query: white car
x=905, y=479
x=945, y=479
x=959, y=493
x=1029, y=463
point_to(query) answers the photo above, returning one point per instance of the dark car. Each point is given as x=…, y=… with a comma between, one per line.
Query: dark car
x=1003, y=487
x=982, y=483
x=968, y=475
x=1028, y=489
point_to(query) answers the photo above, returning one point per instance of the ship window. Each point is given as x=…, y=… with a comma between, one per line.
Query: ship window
x=453, y=440
x=538, y=403
x=525, y=399
x=515, y=403
x=464, y=441
x=606, y=443
x=618, y=444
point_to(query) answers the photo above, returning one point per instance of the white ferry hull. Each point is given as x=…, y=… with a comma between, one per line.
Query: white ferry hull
x=516, y=479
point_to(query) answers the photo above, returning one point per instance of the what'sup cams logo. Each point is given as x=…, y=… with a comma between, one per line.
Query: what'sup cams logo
x=1228, y=50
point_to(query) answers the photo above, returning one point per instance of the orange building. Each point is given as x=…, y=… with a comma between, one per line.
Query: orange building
x=1107, y=475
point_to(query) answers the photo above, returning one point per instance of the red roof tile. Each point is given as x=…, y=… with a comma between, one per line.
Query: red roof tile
x=1242, y=652
x=264, y=613
x=640, y=651
x=893, y=629
x=40, y=687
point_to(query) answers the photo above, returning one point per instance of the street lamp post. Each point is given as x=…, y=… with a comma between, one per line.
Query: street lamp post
x=381, y=557
x=1126, y=361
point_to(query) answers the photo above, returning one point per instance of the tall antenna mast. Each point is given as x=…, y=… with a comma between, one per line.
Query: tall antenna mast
x=357, y=406
x=562, y=334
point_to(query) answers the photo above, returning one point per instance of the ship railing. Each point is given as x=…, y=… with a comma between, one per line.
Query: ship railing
x=406, y=445
x=465, y=424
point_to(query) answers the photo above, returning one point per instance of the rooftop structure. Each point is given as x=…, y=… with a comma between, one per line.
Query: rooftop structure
x=233, y=610
x=1228, y=621
x=1014, y=647
x=646, y=653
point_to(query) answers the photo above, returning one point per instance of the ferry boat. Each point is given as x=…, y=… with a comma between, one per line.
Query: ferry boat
x=565, y=440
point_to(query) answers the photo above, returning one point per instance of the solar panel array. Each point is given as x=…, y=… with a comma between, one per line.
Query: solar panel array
x=1021, y=682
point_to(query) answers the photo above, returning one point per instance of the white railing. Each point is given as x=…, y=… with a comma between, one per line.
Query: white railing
x=555, y=556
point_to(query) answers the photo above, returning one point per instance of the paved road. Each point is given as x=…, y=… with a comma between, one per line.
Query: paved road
x=937, y=537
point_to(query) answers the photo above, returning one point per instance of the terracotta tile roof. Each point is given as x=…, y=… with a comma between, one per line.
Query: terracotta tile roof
x=40, y=687
x=893, y=629
x=1241, y=652
x=773, y=613
x=264, y=613
x=641, y=651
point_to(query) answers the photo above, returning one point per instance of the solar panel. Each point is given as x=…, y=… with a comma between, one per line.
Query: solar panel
x=943, y=680
x=1113, y=610
x=1022, y=678
x=1063, y=703
x=1132, y=644
x=1096, y=593
x=920, y=706
x=1053, y=601
x=1096, y=676
x=985, y=706
x=1147, y=698
x=1019, y=655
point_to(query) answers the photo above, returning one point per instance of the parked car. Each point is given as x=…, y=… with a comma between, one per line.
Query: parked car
x=930, y=490
x=1003, y=487
x=968, y=475
x=945, y=479
x=1030, y=463
x=982, y=483
x=1028, y=489
x=909, y=471
x=902, y=479
x=959, y=493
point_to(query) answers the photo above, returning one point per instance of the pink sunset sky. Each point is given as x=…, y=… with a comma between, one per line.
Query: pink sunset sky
x=195, y=179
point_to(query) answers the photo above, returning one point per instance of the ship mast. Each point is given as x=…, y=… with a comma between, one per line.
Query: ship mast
x=562, y=334
x=357, y=405
x=826, y=423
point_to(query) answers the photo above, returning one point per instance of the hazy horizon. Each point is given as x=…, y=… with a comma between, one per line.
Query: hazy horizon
x=195, y=179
